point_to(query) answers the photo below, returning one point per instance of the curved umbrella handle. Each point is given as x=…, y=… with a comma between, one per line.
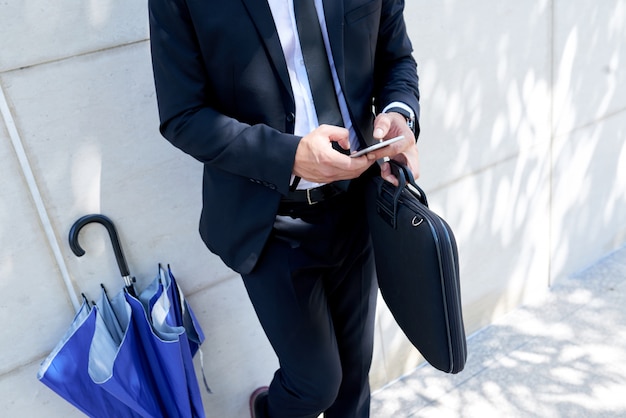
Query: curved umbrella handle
x=117, y=247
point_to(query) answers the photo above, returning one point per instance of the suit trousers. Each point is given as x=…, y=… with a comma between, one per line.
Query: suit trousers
x=314, y=291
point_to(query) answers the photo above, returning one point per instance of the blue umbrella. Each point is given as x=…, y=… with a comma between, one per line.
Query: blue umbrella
x=180, y=311
x=169, y=311
x=66, y=369
x=138, y=351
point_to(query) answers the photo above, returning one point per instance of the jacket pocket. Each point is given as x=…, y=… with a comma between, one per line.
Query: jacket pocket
x=362, y=11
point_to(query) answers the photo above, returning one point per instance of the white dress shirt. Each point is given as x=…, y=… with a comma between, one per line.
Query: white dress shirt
x=306, y=117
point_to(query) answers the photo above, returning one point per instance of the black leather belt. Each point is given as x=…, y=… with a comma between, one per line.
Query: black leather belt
x=314, y=195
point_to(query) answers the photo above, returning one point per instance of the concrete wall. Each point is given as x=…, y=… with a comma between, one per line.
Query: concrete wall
x=523, y=151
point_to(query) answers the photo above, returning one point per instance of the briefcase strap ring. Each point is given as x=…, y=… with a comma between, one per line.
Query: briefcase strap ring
x=417, y=221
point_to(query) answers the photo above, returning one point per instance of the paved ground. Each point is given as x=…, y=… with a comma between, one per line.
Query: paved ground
x=564, y=357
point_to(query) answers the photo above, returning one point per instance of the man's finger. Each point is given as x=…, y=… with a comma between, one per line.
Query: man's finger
x=386, y=174
x=381, y=126
x=344, y=143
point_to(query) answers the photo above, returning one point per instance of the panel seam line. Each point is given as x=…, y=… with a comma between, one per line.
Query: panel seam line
x=35, y=193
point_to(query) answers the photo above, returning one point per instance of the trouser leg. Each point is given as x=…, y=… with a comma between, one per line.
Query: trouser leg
x=314, y=293
x=353, y=319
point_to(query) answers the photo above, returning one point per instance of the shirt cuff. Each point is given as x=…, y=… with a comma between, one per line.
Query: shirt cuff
x=401, y=106
x=407, y=112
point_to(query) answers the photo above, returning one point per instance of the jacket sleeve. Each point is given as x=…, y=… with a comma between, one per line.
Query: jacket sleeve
x=188, y=105
x=395, y=73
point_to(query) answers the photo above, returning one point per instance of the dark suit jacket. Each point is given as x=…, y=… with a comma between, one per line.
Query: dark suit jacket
x=225, y=98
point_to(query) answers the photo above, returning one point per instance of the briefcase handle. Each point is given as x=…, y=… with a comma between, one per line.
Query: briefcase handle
x=388, y=196
x=405, y=177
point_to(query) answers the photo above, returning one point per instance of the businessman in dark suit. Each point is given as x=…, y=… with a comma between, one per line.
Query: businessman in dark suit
x=282, y=203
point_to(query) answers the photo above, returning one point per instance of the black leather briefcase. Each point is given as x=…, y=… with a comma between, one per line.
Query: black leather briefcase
x=418, y=269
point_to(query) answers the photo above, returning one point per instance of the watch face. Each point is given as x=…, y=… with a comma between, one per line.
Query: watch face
x=411, y=123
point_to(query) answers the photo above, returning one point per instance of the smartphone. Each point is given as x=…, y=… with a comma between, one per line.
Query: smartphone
x=377, y=146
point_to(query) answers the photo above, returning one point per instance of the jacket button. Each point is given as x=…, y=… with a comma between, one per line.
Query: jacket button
x=291, y=117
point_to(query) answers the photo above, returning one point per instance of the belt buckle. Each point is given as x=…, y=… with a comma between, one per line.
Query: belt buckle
x=308, y=198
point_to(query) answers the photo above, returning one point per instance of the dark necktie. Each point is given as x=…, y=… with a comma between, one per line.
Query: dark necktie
x=316, y=63
x=318, y=71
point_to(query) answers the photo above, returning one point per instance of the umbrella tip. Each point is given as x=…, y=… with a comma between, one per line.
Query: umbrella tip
x=85, y=300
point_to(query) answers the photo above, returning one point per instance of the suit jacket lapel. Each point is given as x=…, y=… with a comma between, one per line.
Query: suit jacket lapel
x=261, y=15
x=333, y=13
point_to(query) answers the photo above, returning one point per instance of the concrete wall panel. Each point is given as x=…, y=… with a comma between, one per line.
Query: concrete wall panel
x=589, y=55
x=485, y=80
x=589, y=189
x=502, y=227
x=37, y=31
x=237, y=356
x=34, y=302
x=90, y=128
x=24, y=396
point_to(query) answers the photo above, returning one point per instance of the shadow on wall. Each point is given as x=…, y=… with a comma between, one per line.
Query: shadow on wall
x=511, y=155
x=589, y=147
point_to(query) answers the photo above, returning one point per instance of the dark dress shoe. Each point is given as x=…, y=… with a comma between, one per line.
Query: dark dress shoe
x=258, y=403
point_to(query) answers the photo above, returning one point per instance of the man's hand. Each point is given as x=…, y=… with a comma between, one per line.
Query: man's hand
x=317, y=160
x=389, y=125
